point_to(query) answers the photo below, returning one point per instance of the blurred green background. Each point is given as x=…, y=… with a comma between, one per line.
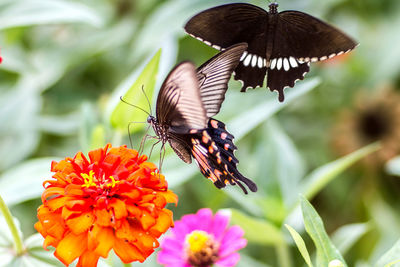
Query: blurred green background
x=66, y=63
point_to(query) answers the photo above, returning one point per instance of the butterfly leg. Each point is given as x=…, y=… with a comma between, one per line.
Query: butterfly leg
x=162, y=156
x=152, y=146
x=144, y=139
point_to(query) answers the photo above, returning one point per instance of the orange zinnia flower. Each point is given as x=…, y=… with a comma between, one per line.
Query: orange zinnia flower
x=114, y=200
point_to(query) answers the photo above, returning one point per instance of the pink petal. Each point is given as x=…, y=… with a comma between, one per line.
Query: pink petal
x=204, y=219
x=180, y=230
x=229, y=261
x=171, y=244
x=232, y=241
x=170, y=260
x=219, y=224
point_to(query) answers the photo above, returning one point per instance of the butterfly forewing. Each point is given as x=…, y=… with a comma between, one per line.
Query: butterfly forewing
x=227, y=25
x=179, y=102
x=214, y=75
x=305, y=37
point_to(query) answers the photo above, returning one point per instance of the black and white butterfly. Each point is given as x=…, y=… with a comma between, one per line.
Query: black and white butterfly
x=186, y=102
x=281, y=45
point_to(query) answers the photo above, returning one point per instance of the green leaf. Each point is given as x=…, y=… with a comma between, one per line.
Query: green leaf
x=320, y=177
x=7, y=251
x=34, y=247
x=346, y=236
x=256, y=114
x=257, y=230
x=24, y=182
x=300, y=245
x=393, y=166
x=246, y=261
x=19, y=135
x=284, y=163
x=124, y=113
x=326, y=251
x=390, y=258
x=17, y=13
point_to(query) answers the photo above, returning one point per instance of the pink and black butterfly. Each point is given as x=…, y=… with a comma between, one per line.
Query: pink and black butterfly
x=186, y=102
x=280, y=45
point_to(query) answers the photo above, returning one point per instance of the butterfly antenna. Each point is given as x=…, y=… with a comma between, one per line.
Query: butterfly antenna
x=126, y=102
x=148, y=101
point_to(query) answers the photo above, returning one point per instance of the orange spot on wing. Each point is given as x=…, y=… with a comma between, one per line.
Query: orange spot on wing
x=214, y=124
x=224, y=135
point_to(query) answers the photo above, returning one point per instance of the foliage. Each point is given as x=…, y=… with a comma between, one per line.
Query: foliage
x=67, y=63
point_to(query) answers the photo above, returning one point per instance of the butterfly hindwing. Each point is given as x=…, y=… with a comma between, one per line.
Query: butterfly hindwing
x=284, y=72
x=213, y=151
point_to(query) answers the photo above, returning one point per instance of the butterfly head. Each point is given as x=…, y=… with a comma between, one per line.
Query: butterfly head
x=273, y=8
x=151, y=119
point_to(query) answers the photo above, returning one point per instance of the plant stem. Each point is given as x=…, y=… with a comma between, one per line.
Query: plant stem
x=283, y=254
x=18, y=245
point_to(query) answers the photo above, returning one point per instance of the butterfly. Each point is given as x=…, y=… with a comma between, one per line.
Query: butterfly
x=187, y=100
x=280, y=45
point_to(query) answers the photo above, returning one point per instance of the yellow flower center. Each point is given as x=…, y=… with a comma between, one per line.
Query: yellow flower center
x=201, y=249
x=197, y=240
x=90, y=180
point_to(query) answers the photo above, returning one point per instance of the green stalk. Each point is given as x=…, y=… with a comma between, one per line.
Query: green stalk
x=283, y=254
x=18, y=245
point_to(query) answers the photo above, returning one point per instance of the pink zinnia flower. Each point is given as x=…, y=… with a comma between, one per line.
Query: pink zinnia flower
x=201, y=240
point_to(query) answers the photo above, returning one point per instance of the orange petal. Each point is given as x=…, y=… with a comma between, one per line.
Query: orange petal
x=127, y=252
x=51, y=191
x=55, y=203
x=103, y=217
x=164, y=222
x=67, y=213
x=119, y=208
x=93, y=242
x=128, y=231
x=88, y=259
x=170, y=196
x=134, y=211
x=74, y=190
x=133, y=194
x=71, y=247
x=50, y=241
x=147, y=220
x=81, y=223
x=98, y=154
x=106, y=242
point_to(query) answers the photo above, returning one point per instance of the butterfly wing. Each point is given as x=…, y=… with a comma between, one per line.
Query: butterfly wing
x=179, y=103
x=226, y=25
x=300, y=39
x=214, y=75
x=308, y=38
x=213, y=150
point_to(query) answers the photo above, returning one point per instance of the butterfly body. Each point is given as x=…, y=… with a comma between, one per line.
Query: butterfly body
x=187, y=100
x=280, y=44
